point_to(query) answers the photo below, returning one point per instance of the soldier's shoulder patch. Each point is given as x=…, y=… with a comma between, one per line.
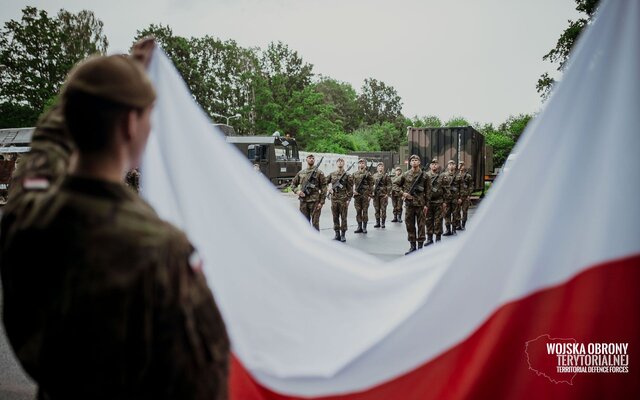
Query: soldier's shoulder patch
x=36, y=183
x=195, y=261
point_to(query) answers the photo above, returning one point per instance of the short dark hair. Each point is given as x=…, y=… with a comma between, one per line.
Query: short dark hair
x=91, y=120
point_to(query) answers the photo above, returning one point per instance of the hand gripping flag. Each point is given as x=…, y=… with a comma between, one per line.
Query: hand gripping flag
x=538, y=299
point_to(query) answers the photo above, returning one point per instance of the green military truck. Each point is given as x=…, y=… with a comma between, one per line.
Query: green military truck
x=277, y=156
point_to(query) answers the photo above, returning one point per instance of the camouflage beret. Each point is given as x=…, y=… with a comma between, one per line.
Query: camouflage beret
x=434, y=161
x=451, y=162
x=340, y=159
x=362, y=160
x=310, y=155
x=414, y=156
x=460, y=162
x=116, y=78
x=379, y=164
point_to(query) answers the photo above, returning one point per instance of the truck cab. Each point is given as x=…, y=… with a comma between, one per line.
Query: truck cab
x=276, y=156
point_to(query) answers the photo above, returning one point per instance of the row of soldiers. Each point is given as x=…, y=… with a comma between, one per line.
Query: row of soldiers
x=428, y=197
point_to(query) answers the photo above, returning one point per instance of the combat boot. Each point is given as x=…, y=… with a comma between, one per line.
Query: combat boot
x=364, y=227
x=438, y=238
x=411, y=249
x=359, y=230
x=453, y=230
x=400, y=216
x=337, y=235
x=382, y=225
x=429, y=240
x=462, y=227
x=342, y=237
x=395, y=217
x=448, y=232
x=377, y=225
x=420, y=244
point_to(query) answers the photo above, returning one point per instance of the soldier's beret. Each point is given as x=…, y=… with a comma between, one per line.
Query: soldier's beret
x=451, y=162
x=339, y=159
x=310, y=155
x=460, y=162
x=379, y=164
x=434, y=161
x=414, y=156
x=116, y=78
x=362, y=160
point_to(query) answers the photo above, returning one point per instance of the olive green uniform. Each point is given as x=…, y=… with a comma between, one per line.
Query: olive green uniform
x=415, y=218
x=435, y=213
x=362, y=180
x=342, y=192
x=466, y=188
x=396, y=198
x=103, y=299
x=317, y=192
x=381, y=189
x=451, y=195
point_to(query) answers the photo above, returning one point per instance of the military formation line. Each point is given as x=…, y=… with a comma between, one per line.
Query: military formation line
x=429, y=197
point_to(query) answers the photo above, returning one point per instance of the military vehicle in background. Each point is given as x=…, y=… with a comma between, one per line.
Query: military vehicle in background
x=13, y=143
x=277, y=156
x=462, y=143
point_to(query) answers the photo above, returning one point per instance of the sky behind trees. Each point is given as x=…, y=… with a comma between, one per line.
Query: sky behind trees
x=475, y=58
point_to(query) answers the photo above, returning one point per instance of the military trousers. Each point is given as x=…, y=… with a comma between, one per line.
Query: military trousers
x=464, y=208
x=434, y=218
x=415, y=221
x=308, y=209
x=450, y=213
x=380, y=205
x=361, y=204
x=397, y=201
x=339, y=211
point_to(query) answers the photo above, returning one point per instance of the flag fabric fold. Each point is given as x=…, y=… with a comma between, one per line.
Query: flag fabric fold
x=553, y=250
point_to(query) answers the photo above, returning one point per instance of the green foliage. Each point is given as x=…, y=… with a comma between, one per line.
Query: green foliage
x=457, y=121
x=39, y=50
x=427, y=121
x=379, y=103
x=560, y=54
x=514, y=126
x=343, y=98
x=502, y=145
x=17, y=115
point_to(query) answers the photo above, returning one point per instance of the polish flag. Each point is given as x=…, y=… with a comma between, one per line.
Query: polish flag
x=539, y=298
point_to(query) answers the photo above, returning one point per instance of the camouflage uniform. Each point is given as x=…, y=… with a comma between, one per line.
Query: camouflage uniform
x=451, y=194
x=317, y=193
x=361, y=199
x=466, y=188
x=435, y=213
x=381, y=189
x=396, y=198
x=102, y=298
x=340, y=197
x=415, y=219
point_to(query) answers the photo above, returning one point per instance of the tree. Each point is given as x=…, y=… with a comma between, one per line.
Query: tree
x=344, y=100
x=379, y=103
x=38, y=51
x=457, y=121
x=515, y=125
x=560, y=54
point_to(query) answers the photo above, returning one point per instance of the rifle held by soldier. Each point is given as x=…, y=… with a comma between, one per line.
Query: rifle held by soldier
x=310, y=183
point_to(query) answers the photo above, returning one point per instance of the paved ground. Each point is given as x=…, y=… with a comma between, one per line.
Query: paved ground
x=386, y=244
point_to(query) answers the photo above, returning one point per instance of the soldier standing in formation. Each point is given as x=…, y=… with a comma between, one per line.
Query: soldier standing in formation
x=341, y=193
x=362, y=185
x=381, y=188
x=396, y=195
x=416, y=192
x=102, y=298
x=466, y=187
x=436, y=203
x=450, y=197
x=315, y=183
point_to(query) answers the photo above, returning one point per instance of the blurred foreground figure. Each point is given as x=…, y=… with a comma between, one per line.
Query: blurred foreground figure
x=102, y=299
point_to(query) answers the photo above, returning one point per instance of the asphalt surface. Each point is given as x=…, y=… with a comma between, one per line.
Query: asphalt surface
x=386, y=244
